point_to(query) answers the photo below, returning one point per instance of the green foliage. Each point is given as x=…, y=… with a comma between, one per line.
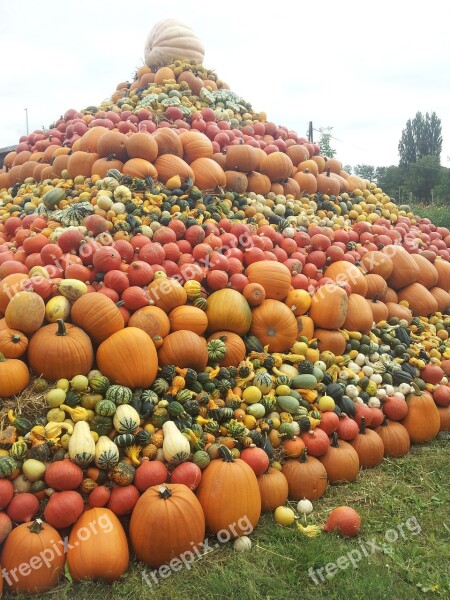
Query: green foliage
x=325, y=142
x=423, y=176
x=348, y=169
x=366, y=172
x=392, y=180
x=421, y=137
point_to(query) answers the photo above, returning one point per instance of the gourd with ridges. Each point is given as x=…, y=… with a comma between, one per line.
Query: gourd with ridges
x=119, y=394
x=176, y=447
x=81, y=444
x=126, y=419
x=106, y=453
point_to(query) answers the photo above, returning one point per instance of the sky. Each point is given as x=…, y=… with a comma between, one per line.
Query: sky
x=362, y=68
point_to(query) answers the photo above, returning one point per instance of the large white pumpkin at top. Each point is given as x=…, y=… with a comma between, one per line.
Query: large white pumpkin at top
x=172, y=40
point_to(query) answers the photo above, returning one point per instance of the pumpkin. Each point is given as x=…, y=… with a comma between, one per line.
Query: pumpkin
x=80, y=163
x=390, y=296
x=139, y=167
x=442, y=298
x=9, y=287
x=369, y=446
x=208, y=174
x=274, y=489
x=142, y=145
x=343, y=271
x=151, y=319
x=128, y=357
x=196, y=145
x=379, y=310
x=305, y=327
x=185, y=349
x=274, y=277
x=422, y=421
x=63, y=508
x=26, y=543
x=376, y=286
x=166, y=293
x=98, y=547
x=399, y=311
x=405, y=271
x=421, y=301
x=359, y=315
x=298, y=301
x=443, y=269
x=343, y=520
x=235, y=180
x=60, y=350
x=274, y=324
x=14, y=376
x=229, y=495
x=169, y=165
x=242, y=157
x=98, y=315
x=63, y=475
x=25, y=312
x=258, y=183
x=189, y=318
x=13, y=343
x=395, y=438
x=306, y=477
x=170, y=40
x=331, y=341
x=341, y=461
x=428, y=275
x=228, y=310
x=395, y=408
x=254, y=293
x=166, y=522
x=234, y=348
x=329, y=307
x=444, y=414
x=377, y=263
x=277, y=166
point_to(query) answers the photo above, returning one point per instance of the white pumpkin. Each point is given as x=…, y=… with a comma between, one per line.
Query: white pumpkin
x=171, y=40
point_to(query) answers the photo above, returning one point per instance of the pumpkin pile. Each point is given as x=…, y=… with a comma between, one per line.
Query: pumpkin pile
x=205, y=304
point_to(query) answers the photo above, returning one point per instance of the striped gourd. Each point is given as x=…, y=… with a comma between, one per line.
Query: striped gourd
x=105, y=408
x=119, y=394
x=7, y=466
x=106, y=453
x=126, y=419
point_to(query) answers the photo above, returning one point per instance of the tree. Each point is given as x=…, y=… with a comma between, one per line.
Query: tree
x=366, y=172
x=392, y=180
x=421, y=137
x=325, y=142
x=348, y=169
x=423, y=176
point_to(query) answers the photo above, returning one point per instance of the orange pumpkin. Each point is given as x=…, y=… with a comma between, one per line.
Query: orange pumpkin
x=399, y=311
x=298, y=301
x=168, y=142
x=428, y=275
x=9, y=287
x=228, y=310
x=139, y=167
x=13, y=343
x=236, y=181
x=98, y=315
x=307, y=181
x=195, y=145
x=142, y=145
x=60, y=350
x=189, y=318
x=443, y=269
x=274, y=324
x=327, y=184
x=273, y=487
x=242, y=157
x=208, y=174
x=330, y=340
x=376, y=286
x=258, y=183
x=442, y=298
x=343, y=271
x=80, y=163
x=422, y=420
x=128, y=357
x=151, y=319
x=115, y=143
x=421, y=302
x=378, y=263
x=14, y=376
x=359, y=315
x=235, y=348
x=329, y=307
x=169, y=165
x=379, y=310
x=166, y=293
x=185, y=349
x=277, y=166
x=273, y=276
x=305, y=327
x=405, y=269
x=25, y=312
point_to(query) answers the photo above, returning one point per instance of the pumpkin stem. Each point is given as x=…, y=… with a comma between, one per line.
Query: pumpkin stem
x=120, y=303
x=362, y=427
x=37, y=526
x=61, y=328
x=15, y=338
x=304, y=456
x=164, y=492
x=385, y=421
x=416, y=388
x=225, y=453
x=375, y=299
x=335, y=441
x=2, y=358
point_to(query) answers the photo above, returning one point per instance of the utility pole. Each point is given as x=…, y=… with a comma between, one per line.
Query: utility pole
x=26, y=118
x=310, y=132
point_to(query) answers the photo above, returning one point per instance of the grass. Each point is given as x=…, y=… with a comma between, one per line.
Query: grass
x=411, y=494
x=439, y=214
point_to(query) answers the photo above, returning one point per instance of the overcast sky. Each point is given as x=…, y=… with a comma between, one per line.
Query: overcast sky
x=361, y=68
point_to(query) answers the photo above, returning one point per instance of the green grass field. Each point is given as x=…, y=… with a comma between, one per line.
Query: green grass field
x=404, y=505
x=439, y=214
